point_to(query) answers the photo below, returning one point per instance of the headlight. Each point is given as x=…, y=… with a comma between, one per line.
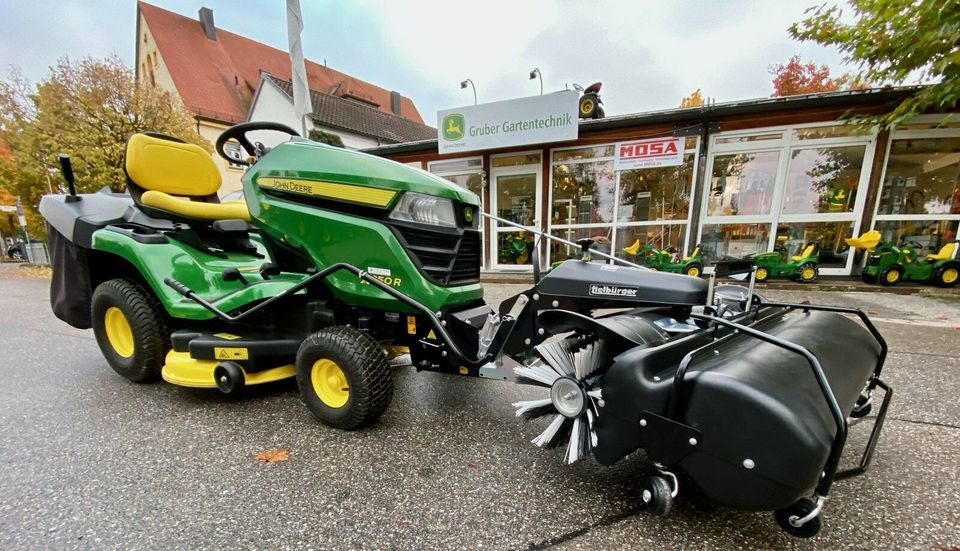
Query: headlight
x=417, y=207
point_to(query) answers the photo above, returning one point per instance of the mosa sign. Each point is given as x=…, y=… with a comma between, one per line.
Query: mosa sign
x=649, y=153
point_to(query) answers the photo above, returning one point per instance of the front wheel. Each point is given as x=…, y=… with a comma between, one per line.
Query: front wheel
x=762, y=274
x=344, y=378
x=788, y=519
x=866, y=277
x=694, y=270
x=891, y=275
x=130, y=329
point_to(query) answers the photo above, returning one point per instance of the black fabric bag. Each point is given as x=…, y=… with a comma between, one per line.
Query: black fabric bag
x=70, y=291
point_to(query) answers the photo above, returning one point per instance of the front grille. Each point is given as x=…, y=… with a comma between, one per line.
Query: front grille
x=446, y=258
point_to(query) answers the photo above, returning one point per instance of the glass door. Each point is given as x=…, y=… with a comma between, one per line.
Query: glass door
x=515, y=196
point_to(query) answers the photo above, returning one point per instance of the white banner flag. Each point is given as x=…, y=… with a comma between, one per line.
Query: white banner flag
x=301, y=90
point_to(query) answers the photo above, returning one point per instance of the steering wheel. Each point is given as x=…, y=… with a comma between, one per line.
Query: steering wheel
x=239, y=132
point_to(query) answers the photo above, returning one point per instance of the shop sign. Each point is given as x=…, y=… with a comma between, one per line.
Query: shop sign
x=653, y=153
x=522, y=121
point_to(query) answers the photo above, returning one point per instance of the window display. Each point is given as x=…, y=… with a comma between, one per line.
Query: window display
x=733, y=240
x=583, y=193
x=823, y=180
x=922, y=177
x=743, y=183
x=656, y=193
x=602, y=240
x=829, y=237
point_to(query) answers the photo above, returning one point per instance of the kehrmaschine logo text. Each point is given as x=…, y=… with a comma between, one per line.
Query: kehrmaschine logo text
x=453, y=126
x=612, y=291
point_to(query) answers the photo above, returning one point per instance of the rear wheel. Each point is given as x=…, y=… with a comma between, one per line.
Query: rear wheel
x=762, y=274
x=807, y=273
x=694, y=270
x=947, y=275
x=130, y=329
x=344, y=378
x=788, y=519
x=891, y=275
x=657, y=496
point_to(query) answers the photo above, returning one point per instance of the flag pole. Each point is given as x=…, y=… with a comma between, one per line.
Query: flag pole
x=302, y=104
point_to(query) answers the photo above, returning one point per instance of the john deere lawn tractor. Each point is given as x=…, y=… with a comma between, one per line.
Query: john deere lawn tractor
x=889, y=264
x=666, y=260
x=336, y=259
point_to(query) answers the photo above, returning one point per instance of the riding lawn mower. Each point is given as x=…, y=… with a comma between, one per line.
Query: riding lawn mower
x=335, y=260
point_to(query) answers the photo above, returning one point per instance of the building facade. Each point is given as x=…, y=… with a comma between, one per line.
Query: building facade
x=762, y=175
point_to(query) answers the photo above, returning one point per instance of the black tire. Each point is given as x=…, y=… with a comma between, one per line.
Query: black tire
x=946, y=275
x=800, y=509
x=360, y=361
x=657, y=496
x=230, y=378
x=867, y=278
x=808, y=268
x=862, y=409
x=17, y=255
x=885, y=275
x=588, y=106
x=694, y=269
x=150, y=341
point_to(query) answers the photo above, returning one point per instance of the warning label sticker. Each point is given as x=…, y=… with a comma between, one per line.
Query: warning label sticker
x=230, y=353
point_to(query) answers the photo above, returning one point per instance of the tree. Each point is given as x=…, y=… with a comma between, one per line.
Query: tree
x=693, y=100
x=87, y=109
x=326, y=137
x=794, y=77
x=895, y=42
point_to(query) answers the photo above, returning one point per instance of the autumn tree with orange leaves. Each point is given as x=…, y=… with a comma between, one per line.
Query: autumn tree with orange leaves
x=795, y=77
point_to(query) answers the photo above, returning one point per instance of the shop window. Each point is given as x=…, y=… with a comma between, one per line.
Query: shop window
x=734, y=240
x=516, y=160
x=922, y=177
x=743, y=183
x=456, y=165
x=666, y=236
x=833, y=131
x=823, y=180
x=517, y=198
x=233, y=150
x=654, y=194
x=750, y=138
x=583, y=193
x=601, y=236
x=515, y=248
x=792, y=238
x=583, y=153
x=929, y=235
x=472, y=182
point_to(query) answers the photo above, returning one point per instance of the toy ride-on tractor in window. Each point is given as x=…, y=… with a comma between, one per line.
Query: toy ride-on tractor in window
x=666, y=260
x=335, y=259
x=780, y=264
x=889, y=264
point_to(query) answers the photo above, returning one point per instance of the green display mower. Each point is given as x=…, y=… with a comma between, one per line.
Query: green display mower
x=335, y=260
x=667, y=260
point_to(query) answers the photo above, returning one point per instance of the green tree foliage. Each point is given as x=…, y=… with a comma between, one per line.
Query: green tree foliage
x=895, y=42
x=326, y=137
x=87, y=109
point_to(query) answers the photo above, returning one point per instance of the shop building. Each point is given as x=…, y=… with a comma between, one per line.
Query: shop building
x=750, y=176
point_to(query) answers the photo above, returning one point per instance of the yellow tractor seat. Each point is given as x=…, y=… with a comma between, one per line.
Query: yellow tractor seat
x=693, y=254
x=866, y=241
x=946, y=252
x=806, y=252
x=169, y=178
x=633, y=249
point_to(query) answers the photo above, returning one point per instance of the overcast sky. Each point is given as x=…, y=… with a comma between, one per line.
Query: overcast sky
x=648, y=54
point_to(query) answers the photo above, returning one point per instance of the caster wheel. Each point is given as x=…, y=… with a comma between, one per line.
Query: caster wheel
x=862, y=409
x=657, y=496
x=229, y=377
x=787, y=518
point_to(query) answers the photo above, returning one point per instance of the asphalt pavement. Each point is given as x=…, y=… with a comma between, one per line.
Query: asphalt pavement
x=91, y=461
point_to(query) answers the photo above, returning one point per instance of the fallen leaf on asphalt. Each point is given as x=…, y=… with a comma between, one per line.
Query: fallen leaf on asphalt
x=278, y=455
x=872, y=312
x=943, y=317
x=471, y=466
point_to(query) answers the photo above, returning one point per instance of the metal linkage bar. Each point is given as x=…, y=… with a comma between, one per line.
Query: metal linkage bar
x=322, y=274
x=836, y=450
x=561, y=240
x=874, y=434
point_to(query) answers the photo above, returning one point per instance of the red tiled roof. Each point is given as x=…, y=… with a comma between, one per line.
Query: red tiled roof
x=359, y=117
x=217, y=78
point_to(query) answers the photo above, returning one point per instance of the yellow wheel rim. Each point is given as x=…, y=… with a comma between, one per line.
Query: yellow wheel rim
x=806, y=274
x=586, y=106
x=693, y=272
x=118, y=332
x=893, y=276
x=950, y=275
x=329, y=383
x=761, y=274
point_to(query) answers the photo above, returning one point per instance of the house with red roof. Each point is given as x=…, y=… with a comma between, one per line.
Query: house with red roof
x=221, y=77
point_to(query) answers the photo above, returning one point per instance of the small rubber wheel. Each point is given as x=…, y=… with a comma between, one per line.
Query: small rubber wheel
x=799, y=509
x=891, y=275
x=808, y=272
x=867, y=278
x=762, y=274
x=947, y=275
x=229, y=377
x=130, y=329
x=694, y=270
x=344, y=378
x=862, y=408
x=657, y=497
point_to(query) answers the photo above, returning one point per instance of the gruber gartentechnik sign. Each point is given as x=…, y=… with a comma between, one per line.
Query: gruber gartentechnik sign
x=649, y=153
x=523, y=121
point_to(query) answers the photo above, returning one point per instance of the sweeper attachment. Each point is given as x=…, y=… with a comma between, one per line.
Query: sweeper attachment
x=335, y=259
